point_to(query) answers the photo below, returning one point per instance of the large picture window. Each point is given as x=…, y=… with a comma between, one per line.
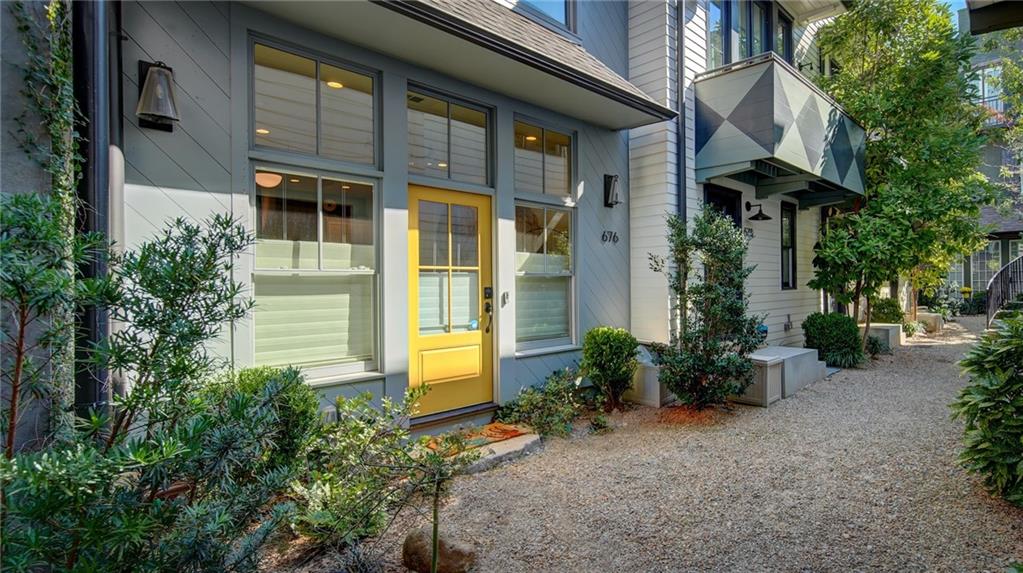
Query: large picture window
x=543, y=160
x=544, y=270
x=315, y=271
x=447, y=139
x=307, y=106
x=984, y=264
x=738, y=29
x=788, y=246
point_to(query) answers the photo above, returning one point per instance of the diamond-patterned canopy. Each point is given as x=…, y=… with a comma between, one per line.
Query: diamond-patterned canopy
x=766, y=111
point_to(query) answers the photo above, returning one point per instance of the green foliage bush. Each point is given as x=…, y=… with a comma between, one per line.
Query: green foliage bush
x=707, y=359
x=976, y=304
x=549, y=408
x=364, y=468
x=609, y=361
x=188, y=472
x=877, y=347
x=992, y=407
x=946, y=300
x=836, y=338
x=886, y=310
x=351, y=485
x=201, y=497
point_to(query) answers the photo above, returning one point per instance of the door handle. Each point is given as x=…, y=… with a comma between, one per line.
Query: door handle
x=488, y=308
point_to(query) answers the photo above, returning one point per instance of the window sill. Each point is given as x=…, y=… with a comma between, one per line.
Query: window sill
x=338, y=379
x=544, y=199
x=562, y=348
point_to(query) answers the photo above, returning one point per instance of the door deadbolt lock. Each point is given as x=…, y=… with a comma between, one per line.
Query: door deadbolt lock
x=488, y=293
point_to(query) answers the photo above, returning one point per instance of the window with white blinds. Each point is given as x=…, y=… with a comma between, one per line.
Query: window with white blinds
x=544, y=274
x=315, y=271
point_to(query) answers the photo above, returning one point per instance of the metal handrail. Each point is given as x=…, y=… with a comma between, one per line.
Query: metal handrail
x=1005, y=286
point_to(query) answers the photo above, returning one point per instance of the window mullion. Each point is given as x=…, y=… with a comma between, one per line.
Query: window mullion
x=319, y=222
x=543, y=167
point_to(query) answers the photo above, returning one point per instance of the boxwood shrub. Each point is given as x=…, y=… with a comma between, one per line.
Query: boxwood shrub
x=609, y=361
x=992, y=407
x=836, y=338
x=886, y=310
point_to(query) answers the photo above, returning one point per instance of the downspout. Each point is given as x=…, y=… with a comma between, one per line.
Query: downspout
x=91, y=77
x=680, y=139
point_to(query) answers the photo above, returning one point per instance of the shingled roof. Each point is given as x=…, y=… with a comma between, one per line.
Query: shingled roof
x=507, y=31
x=1000, y=222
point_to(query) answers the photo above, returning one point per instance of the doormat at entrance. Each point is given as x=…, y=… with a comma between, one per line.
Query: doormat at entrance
x=491, y=433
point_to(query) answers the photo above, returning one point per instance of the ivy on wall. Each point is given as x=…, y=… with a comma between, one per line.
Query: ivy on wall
x=48, y=133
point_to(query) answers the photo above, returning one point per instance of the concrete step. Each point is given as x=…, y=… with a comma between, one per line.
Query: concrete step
x=500, y=452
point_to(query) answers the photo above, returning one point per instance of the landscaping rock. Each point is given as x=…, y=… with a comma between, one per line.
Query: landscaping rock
x=417, y=552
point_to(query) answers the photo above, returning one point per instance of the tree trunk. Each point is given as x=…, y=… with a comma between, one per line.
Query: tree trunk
x=866, y=324
x=856, y=300
x=19, y=365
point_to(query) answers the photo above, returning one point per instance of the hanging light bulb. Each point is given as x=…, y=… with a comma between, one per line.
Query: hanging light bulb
x=156, y=102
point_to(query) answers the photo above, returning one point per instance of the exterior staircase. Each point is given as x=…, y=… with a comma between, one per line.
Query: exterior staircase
x=1005, y=291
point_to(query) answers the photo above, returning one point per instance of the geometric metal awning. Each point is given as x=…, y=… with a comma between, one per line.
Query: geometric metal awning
x=761, y=122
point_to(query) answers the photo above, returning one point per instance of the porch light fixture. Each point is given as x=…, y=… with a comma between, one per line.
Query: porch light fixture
x=611, y=190
x=157, y=107
x=759, y=216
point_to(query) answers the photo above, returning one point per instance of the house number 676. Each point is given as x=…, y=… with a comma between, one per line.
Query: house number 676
x=609, y=237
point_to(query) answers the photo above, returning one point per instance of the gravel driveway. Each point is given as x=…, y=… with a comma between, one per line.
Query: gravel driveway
x=856, y=472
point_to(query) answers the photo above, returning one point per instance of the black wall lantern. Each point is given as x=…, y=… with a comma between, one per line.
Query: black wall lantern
x=611, y=190
x=157, y=108
x=759, y=216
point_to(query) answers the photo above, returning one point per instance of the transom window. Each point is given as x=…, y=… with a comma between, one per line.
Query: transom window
x=543, y=160
x=544, y=273
x=788, y=246
x=322, y=312
x=447, y=139
x=308, y=106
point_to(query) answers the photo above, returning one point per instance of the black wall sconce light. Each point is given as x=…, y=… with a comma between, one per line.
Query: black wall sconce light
x=803, y=65
x=611, y=190
x=157, y=108
x=759, y=216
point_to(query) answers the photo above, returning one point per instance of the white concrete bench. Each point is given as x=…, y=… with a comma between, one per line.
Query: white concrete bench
x=793, y=367
x=886, y=332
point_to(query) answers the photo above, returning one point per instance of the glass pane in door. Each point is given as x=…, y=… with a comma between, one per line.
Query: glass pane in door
x=433, y=234
x=465, y=301
x=464, y=236
x=433, y=302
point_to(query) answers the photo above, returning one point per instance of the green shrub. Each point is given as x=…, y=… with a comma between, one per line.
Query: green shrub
x=976, y=304
x=609, y=361
x=836, y=338
x=203, y=497
x=877, y=347
x=912, y=328
x=887, y=311
x=599, y=424
x=187, y=474
x=707, y=359
x=992, y=407
x=946, y=300
x=549, y=408
x=353, y=480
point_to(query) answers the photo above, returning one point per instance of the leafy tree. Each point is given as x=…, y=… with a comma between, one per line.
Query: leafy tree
x=707, y=359
x=906, y=78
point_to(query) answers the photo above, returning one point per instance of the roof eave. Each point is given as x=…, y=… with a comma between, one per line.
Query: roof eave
x=464, y=30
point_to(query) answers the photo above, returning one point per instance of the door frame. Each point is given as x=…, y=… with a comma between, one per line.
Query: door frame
x=495, y=354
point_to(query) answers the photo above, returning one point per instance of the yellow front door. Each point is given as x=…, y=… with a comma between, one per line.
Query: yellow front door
x=450, y=298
